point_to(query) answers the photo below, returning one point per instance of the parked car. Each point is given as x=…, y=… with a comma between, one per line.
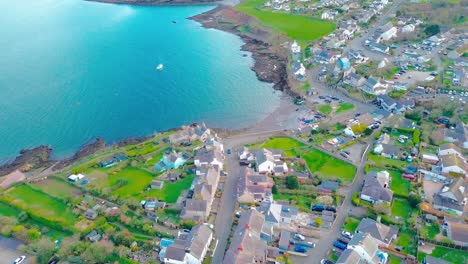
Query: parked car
x=228, y=151
x=344, y=154
x=300, y=249
x=344, y=240
x=318, y=207
x=330, y=208
x=326, y=261
x=321, y=97
x=347, y=152
x=298, y=236
x=347, y=234
x=408, y=176
x=19, y=260
x=339, y=245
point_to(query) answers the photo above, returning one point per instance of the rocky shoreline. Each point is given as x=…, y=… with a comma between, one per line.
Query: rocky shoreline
x=269, y=66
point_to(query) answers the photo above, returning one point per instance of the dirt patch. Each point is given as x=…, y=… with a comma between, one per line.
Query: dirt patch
x=11, y=178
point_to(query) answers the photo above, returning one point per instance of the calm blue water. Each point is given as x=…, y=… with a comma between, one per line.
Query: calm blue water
x=72, y=70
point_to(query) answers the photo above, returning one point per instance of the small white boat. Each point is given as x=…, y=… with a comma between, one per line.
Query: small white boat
x=160, y=67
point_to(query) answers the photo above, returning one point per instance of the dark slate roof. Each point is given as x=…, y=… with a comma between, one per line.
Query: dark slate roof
x=390, y=149
x=329, y=185
x=376, y=230
x=375, y=190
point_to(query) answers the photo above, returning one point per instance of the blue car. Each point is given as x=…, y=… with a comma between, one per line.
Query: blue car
x=339, y=245
x=300, y=249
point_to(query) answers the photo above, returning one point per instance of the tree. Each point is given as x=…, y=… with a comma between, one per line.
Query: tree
x=34, y=234
x=274, y=189
x=367, y=131
x=432, y=30
x=43, y=249
x=95, y=254
x=318, y=221
x=23, y=217
x=292, y=182
x=382, y=208
x=414, y=200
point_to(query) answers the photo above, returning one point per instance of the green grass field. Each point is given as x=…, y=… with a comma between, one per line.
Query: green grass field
x=394, y=260
x=429, y=231
x=283, y=143
x=351, y=224
x=344, y=107
x=57, y=188
x=301, y=28
x=447, y=254
x=136, y=179
x=40, y=204
x=401, y=208
x=6, y=210
x=328, y=166
x=171, y=191
x=381, y=161
x=324, y=109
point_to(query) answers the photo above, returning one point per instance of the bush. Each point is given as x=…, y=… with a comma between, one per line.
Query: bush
x=416, y=136
x=274, y=189
x=292, y=182
x=414, y=200
x=432, y=30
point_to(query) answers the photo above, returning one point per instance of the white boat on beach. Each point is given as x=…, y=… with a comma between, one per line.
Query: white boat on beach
x=160, y=67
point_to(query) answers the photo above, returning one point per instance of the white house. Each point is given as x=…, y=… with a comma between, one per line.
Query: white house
x=269, y=161
x=450, y=148
x=408, y=29
x=327, y=16
x=387, y=35
x=209, y=157
x=295, y=48
x=299, y=69
x=363, y=248
x=75, y=178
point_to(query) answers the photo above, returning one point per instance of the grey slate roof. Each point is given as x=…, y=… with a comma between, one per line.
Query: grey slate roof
x=373, y=188
x=376, y=230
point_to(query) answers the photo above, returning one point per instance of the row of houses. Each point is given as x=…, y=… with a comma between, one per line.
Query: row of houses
x=209, y=164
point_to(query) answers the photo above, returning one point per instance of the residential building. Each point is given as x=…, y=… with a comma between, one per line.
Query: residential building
x=190, y=248
x=379, y=47
x=295, y=48
x=195, y=209
x=387, y=150
x=190, y=134
x=382, y=233
x=158, y=185
x=457, y=231
x=90, y=214
x=432, y=260
x=354, y=80
x=448, y=149
x=299, y=70
x=373, y=86
x=171, y=160
x=254, y=187
x=363, y=249
x=93, y=236
x=376, y=188
x=387, y=35
x=453, y=165
x=270, y=161
x=429, y=158
x=283, y=243
x=209, y=157
x=277, y=214
x=246, y=245
x=452, y=198
x=408, y=28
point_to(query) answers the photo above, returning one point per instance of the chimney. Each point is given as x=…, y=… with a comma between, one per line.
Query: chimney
x=240, y=248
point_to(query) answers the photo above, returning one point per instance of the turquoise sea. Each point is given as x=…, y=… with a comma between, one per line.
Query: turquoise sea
x=71, y=70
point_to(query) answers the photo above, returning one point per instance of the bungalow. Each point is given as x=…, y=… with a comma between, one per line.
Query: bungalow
x=387, y=35
x=119, y=157
x=158, y=185
x=452, y=164
x=268, y=160
x=328, y=186
x=75, y=178
x=382, y=233
x=452, y=198
x=388, y=103
x=457, y=231
x=195, y=210
x=376, y=188
x=209, y=157
x=448, y=149
x=190, y=248
x=387, y=150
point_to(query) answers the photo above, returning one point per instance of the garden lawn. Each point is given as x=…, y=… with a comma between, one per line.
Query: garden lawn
x=41, y=204
x=324, y=109
x=381, y=161
x=136, y=181
x=142, y=150
x=302, y=202
x=57, y=188
x=286, y=144
x=171, y=191
x=401, y=208
x=447, y=254
x=328, y=166
x=301, y=28
x=394, y=260
x=430, y=231
x=344, y=107
x=351, y=225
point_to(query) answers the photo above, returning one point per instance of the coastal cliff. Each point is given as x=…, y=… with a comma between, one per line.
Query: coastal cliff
x=269, y=63
x=28, y=159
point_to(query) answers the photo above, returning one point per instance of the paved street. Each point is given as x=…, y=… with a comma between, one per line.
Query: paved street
x=327, y=238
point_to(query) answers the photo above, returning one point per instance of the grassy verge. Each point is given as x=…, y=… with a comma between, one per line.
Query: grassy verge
x=447, y=254
x=324, y=109
x=344, y=107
